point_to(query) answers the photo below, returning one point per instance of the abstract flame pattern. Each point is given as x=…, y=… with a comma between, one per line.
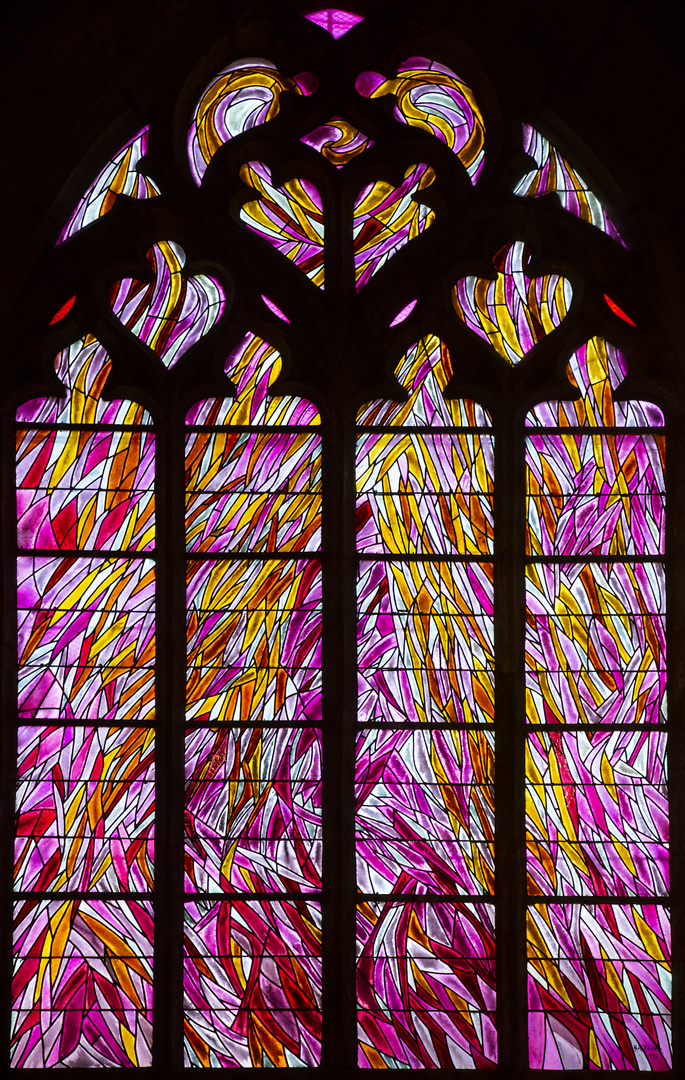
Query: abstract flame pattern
x=554, y=175
x=514, y=312
x=290, y=218
x=85, y=809
x=387, y=218
x=599, y=986
x=82, y=986
x=253, y=810
x=253, y=760
x=425, y=655
x=120, y=176
x=172, y=312
x=426, y=985
x=432, y=97
x=339, y=141
x=597, y=811
x=425, y=813
x=85, y=490
x=253, y=983
x=596, y=370
x=85, y=784
x=244, y=95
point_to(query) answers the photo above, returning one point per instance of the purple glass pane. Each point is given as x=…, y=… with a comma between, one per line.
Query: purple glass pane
x=253, y=810
x=597, y=813
x=425, y=642
x=334, y=20
x=386, y=218
x=425, y=812
x=91, y=1005
x=421, y=494
x=254, y=641
x=608, y=667
x=595, y=495
x=426, y=985
x=172, y=312
x=599, y=986
x=85, y=491
x=86, y=638
x=253, y=366
x=83, y=368
x=253, y=983
x=85, y=809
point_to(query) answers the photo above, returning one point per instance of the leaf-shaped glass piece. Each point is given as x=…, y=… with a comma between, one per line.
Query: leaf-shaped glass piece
x=172, y=312
x=243, y=95
x=386, y=218
x=289, y=217
x=554, y=175
x=515, y=311
x=338, y=141
x=120, y=176
x=433, y=97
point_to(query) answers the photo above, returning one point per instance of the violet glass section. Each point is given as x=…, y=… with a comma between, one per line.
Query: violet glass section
x=554, y=175
x=587, y=668
x=596, y=370
x=92, y=492
x=172, y=312
x=595, y=495
x=432, y=97
x=599, y=986
x=253, y=367
x=597, y=813
x=253, y=492
x=426, y=985
x=425, y=642
x=245, y=95
x=82, y=987
x=83, y=369
x=253, y=810
x=254, y=641
x=425, y=811
x=120, y=176
x=85, y=809
x=290, y=218
x=386, y=218
x=336, y=21
x=514, y=312
x=425, y=494
x=86, y=638
x=253, y=983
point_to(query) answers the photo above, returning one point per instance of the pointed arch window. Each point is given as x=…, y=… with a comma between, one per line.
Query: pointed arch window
x=341, y=576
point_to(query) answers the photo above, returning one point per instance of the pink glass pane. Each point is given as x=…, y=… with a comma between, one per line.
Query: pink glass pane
x=597, y=813
x=334, y=20
x=426, y=985
x=93, y=492
x=425, y=813
x=275, y=309
x=86, y=638
x=272, y=1018
x=599, y=986
x=404, y=313
x=254, y=641
x=91, y=1006
x=425, y=642
x=85, y=809
x=253, y=810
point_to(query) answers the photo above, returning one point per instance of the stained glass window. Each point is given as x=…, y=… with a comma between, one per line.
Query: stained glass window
x=341, y=577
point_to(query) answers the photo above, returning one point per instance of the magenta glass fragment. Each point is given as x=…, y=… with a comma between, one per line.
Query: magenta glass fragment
x=404, y=313
x=368, y=81
x=275, y=308
x=307, y=82
x=334, y=20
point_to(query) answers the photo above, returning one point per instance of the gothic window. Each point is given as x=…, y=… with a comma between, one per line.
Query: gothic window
x=339, y=719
